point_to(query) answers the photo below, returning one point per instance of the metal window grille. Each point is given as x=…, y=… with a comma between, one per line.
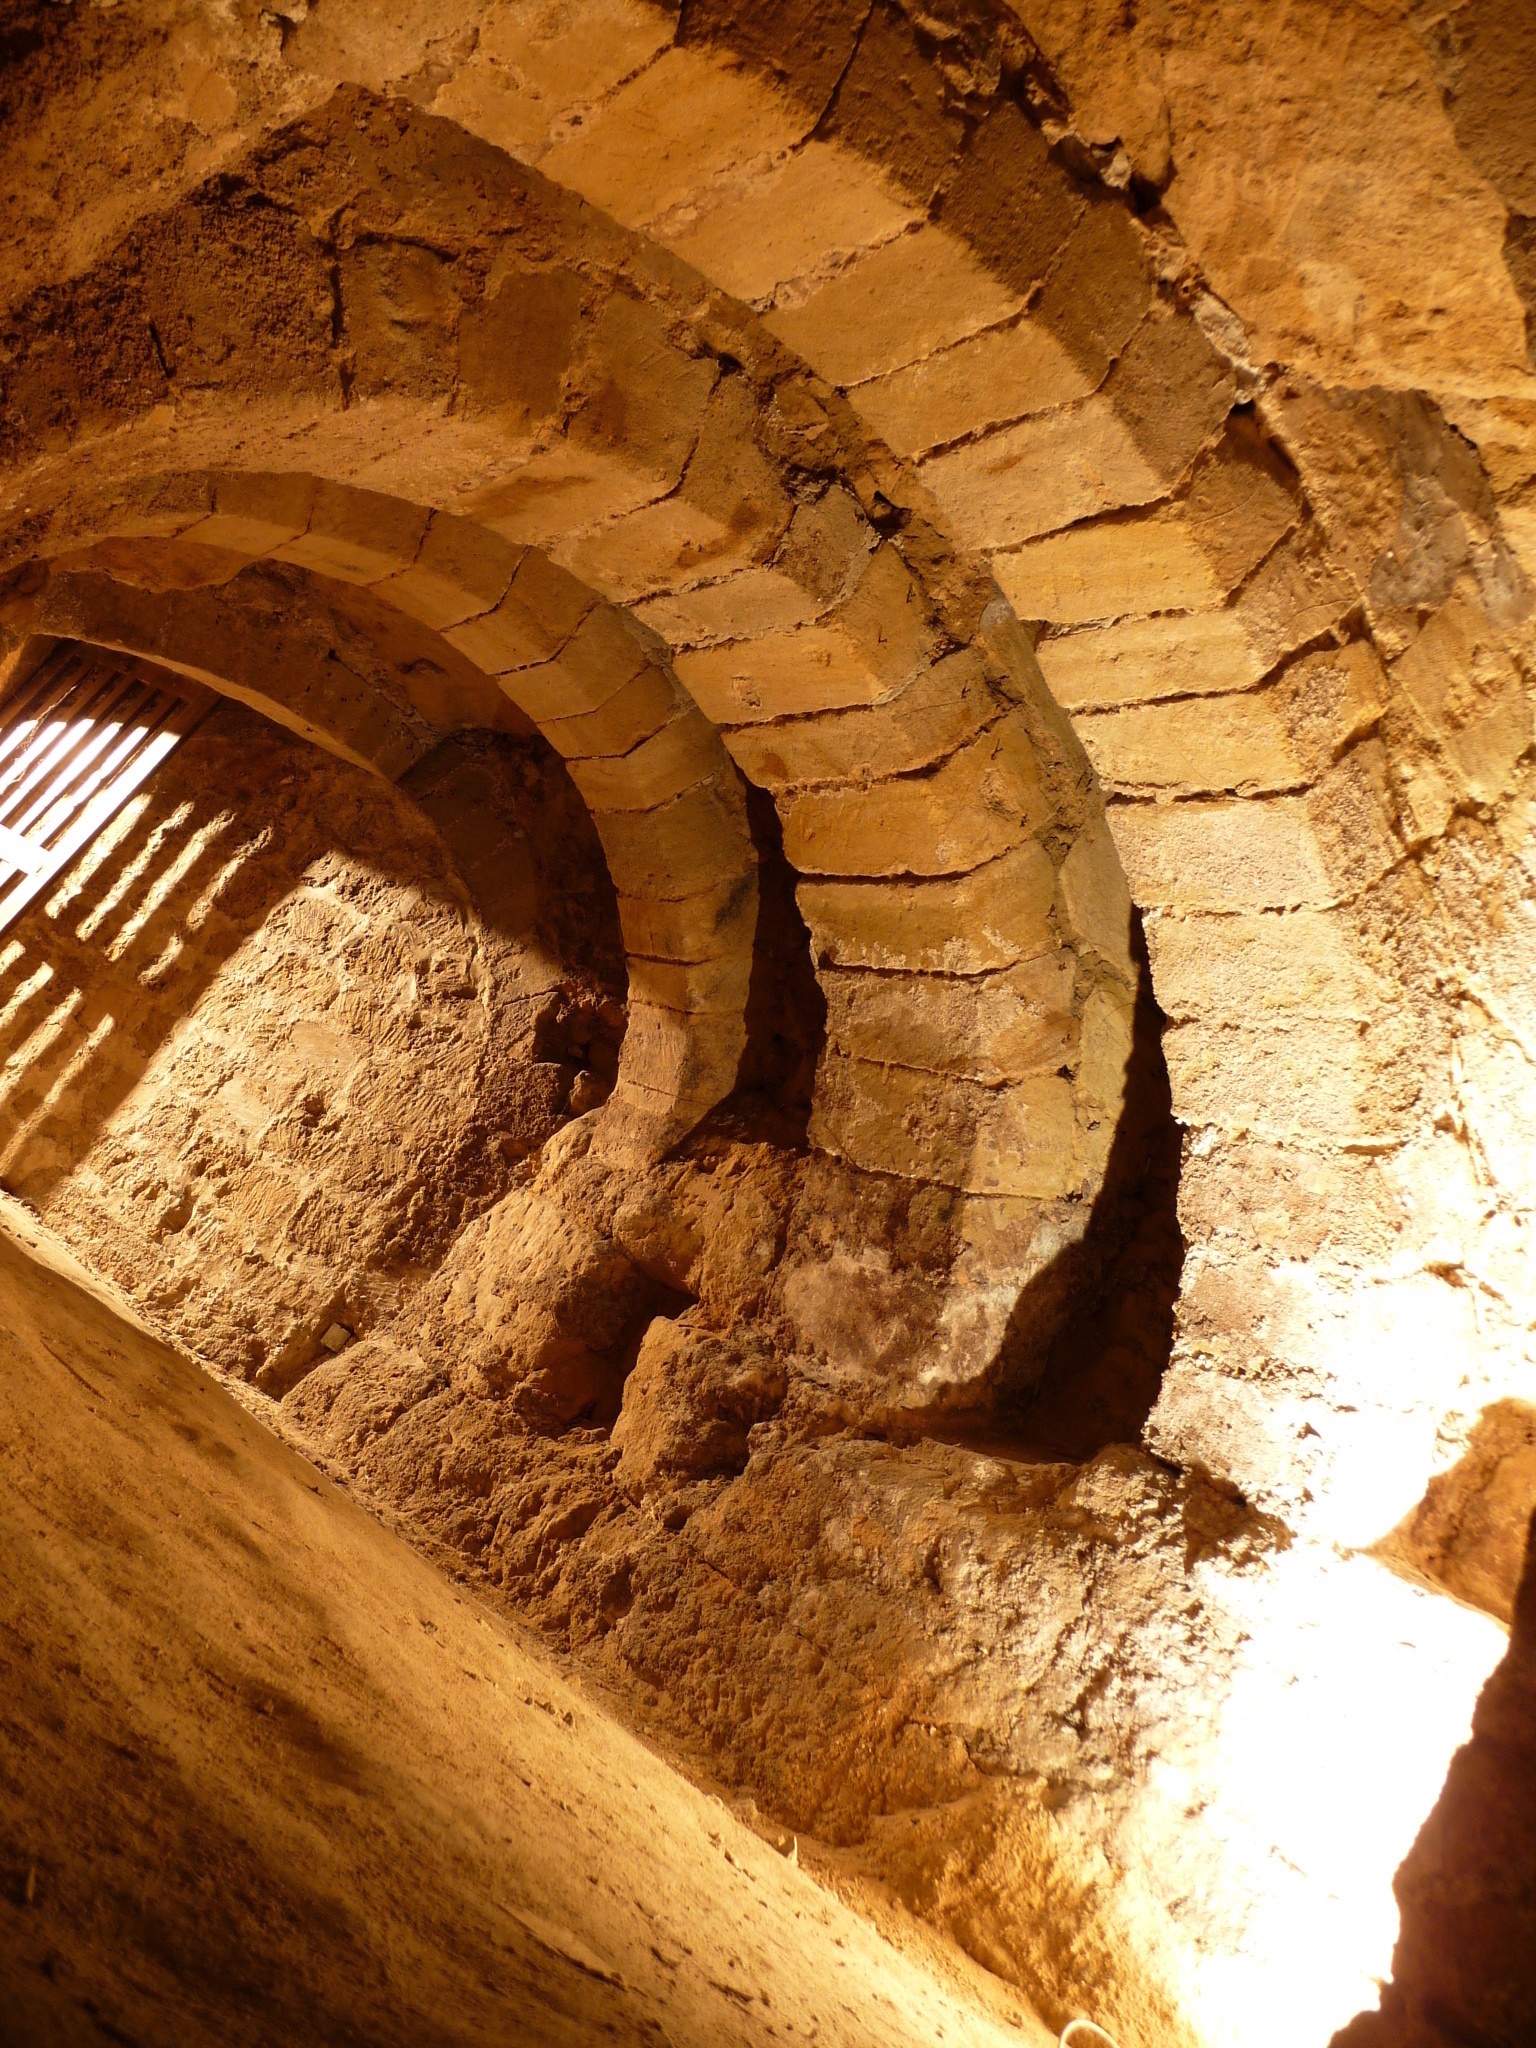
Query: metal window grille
x=77, y=738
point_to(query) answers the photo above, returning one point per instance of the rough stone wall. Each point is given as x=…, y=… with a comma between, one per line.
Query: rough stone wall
x=1205, y=331
x=266, y=1052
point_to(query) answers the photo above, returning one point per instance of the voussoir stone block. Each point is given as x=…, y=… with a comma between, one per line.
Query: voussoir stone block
x=532, y=621
x=256, y=513
x=1105, y=570
x=937, y=712
x=1195, y=747
x=973, y=924
x=356, y=536
x=752, y=602
x=1223, y=855
x=998, y=1030
x=1096, y=898
x=680, y=1057
x=1330, y=700
x=1460, y=679
x=630, y=716
x=693, y=987
x=822, y=203
x=666, y=134
x=1016, y=1141
x=779, y=675
x=907, y=298
x=1138, y=660
x=461, y=570
x=689, y=928
x=978, y=804
x=601, y=656
x=681, y=847
x=684, y=752
x=645, y=398
x=1041, y=475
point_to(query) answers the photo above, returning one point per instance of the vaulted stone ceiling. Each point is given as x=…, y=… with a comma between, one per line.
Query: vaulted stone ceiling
x=1019, y=524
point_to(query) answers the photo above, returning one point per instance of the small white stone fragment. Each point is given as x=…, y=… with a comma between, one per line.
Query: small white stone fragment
x=336, y=1338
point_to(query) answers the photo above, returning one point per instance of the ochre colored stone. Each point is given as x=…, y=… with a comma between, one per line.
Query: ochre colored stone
x=681, y=847
x=811, y=668
x=254, y=514
x=667, y=133
x=1195, y=747
x=529, y=70
x=1330, y=700
x=683, y=752
x=742, y=607
x=1009, y=1026
x=1205, y=654
x=689, y=928
x=631, y=715
x=987, y=381
x=1226, y=855
x=1041, y=475
x=356, y=536
x=974, y=924
x=462, y=569
x=976, y=805
x=914, y=295
x=1095, y=897
x=1105, y=570
x=801, y=215
x=1463, y=684
x=942, y=708
x=534, y=620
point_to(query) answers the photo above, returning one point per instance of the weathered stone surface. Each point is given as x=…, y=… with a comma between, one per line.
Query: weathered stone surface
x=935, y=714
x=1095, y=898
x=635, y=711
x=1464, y=686
x=697, y=927
x=741, y=607
x=1109, y=569
x=254, y=515
x=810, y=668
x=683, y=752
x=906, y=299
x=681, y=122
x=431, y=320
x=676, y=849
x=529, y=623
x=891, y=1119
x=1017, y=1023
x=800, y=217
x=979, y=922
x=1042, y=475
x=995, y=377
x=1331, y=700
x=1206, y=654
x=527, y=73
x=1193, y=747
x=980, y=803
x=1301, y=962
x=1224, y=855
x=356, y=536
x=461, y=570
x=689, y=1407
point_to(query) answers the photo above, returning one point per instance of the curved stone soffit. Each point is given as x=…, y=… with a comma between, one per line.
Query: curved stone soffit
x=621, y=423
x=663, y=793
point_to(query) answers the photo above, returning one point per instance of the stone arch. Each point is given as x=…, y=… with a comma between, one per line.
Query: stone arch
x=552, y=657
x=968, y=916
